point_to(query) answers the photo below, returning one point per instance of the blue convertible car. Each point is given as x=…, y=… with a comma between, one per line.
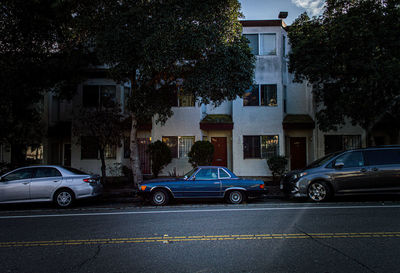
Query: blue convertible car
x=202, y=182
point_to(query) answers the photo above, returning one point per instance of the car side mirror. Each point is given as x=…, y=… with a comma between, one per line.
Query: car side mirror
x=185, y=177
x=339, y=165
x=194, y=178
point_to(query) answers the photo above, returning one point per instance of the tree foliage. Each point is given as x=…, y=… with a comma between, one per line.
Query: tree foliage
x=201, y=153
x=160, y=156
x=39, y=51
x=351, y=57
x=165, y=46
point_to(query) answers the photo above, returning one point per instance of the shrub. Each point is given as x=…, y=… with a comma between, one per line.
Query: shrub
x=277, y=165
x=201, y=153
x=160, y=155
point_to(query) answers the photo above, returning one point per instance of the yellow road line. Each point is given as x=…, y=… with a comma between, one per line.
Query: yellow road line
x=166, y=239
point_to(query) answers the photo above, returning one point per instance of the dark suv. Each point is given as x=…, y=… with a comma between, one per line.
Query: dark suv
x=361, y=171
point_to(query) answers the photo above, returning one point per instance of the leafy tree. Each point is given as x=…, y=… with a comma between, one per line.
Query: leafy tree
x=350, y=55
x=39, y=51
x=277, y=165
x=160, y=156
x=163, y=46
x=201, y=153
x=104, y=124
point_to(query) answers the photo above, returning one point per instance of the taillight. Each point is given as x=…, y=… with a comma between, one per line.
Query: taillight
x=262, y=186
x=89, y=180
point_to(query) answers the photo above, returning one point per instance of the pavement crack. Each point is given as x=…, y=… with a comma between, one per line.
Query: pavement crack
x=335, y=249
x=79, y=266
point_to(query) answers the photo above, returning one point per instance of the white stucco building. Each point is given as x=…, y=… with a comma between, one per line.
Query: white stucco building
x=275, y=117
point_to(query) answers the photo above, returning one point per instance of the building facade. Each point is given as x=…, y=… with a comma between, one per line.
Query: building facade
x=275, y=117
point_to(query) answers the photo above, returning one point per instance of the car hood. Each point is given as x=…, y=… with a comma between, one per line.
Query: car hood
x=161, y=180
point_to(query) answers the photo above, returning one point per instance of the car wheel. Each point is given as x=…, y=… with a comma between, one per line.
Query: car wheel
x=319, y=191
x=159, y=198
x=64, y=198
x=235, y=197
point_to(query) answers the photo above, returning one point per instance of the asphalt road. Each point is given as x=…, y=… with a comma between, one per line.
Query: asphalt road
x=254, y=237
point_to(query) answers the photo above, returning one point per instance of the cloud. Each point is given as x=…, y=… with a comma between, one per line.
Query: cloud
x=313, y=7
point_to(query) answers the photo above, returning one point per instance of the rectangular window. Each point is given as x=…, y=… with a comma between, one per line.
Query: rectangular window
x=334, y=143
x=185, y=144
x=268, y=95
x=251, y=97
x=284, y=99
x=283, y=46
x=269, y=146
x=260, y=146
x=127, y=147
x=179, y=146
x=253, y=42
x=98, y=95
x=251, y=147
x=90, y=96
x=110, y=152
x=172, y=143
x=267, y=92
x=89, y=149
x=186, y=100
x=268, y=44
x=127, y=93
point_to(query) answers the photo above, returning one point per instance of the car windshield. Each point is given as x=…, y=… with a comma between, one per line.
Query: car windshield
x=74, y=171
x=322, y=160
x=189, y=174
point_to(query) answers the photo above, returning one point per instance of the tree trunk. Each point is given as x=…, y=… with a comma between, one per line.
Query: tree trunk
x=103, y=167
x=134, y=157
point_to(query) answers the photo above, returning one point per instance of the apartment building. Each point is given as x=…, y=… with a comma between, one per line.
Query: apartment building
x=275, y=116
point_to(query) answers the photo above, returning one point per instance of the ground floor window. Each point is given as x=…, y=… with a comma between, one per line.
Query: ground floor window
x=89, y=148
x=260, y=146
x=179, y=145
x=334, y=143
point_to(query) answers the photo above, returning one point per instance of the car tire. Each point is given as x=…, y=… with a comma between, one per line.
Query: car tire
x=159, y=197
x=235, y=197
x=319, y=191
x=64, y=198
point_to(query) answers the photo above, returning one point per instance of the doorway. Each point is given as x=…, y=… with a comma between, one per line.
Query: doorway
x=298, y=153
x=220, y=151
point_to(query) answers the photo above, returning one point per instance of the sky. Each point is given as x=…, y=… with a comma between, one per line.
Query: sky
x=269, y=9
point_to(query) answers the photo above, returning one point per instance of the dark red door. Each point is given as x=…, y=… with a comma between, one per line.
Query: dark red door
x=220, y=151
x=144, y=156
x=298, y=156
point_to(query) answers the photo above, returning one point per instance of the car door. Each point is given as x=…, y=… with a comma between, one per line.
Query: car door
x=14, y=186
x=204, y=183
x=350, y=173
x=384, y=166
x=44, y=182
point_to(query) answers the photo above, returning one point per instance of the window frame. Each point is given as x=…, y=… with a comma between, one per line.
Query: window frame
x=258, y=153
x=260, y=100
x=99, y=97
x=259, y=34
x=178, y=146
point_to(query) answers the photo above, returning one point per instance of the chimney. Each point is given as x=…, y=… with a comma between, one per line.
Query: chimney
x=283, y=15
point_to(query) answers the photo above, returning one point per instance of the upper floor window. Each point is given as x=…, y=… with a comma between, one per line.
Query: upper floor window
x=261, y=95
x=183, y=100
x=98, y=95
x=262, y=44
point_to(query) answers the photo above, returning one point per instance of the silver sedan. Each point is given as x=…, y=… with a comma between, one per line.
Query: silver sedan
x=63, y=185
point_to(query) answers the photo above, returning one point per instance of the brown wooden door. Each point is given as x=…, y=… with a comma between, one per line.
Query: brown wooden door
x=220, y=151
x=144, y=156
x=298, y=156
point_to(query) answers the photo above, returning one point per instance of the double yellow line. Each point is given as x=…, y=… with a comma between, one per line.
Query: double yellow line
x=168, y=239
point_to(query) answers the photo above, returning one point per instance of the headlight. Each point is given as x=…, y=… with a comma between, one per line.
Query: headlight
x=299, y=175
